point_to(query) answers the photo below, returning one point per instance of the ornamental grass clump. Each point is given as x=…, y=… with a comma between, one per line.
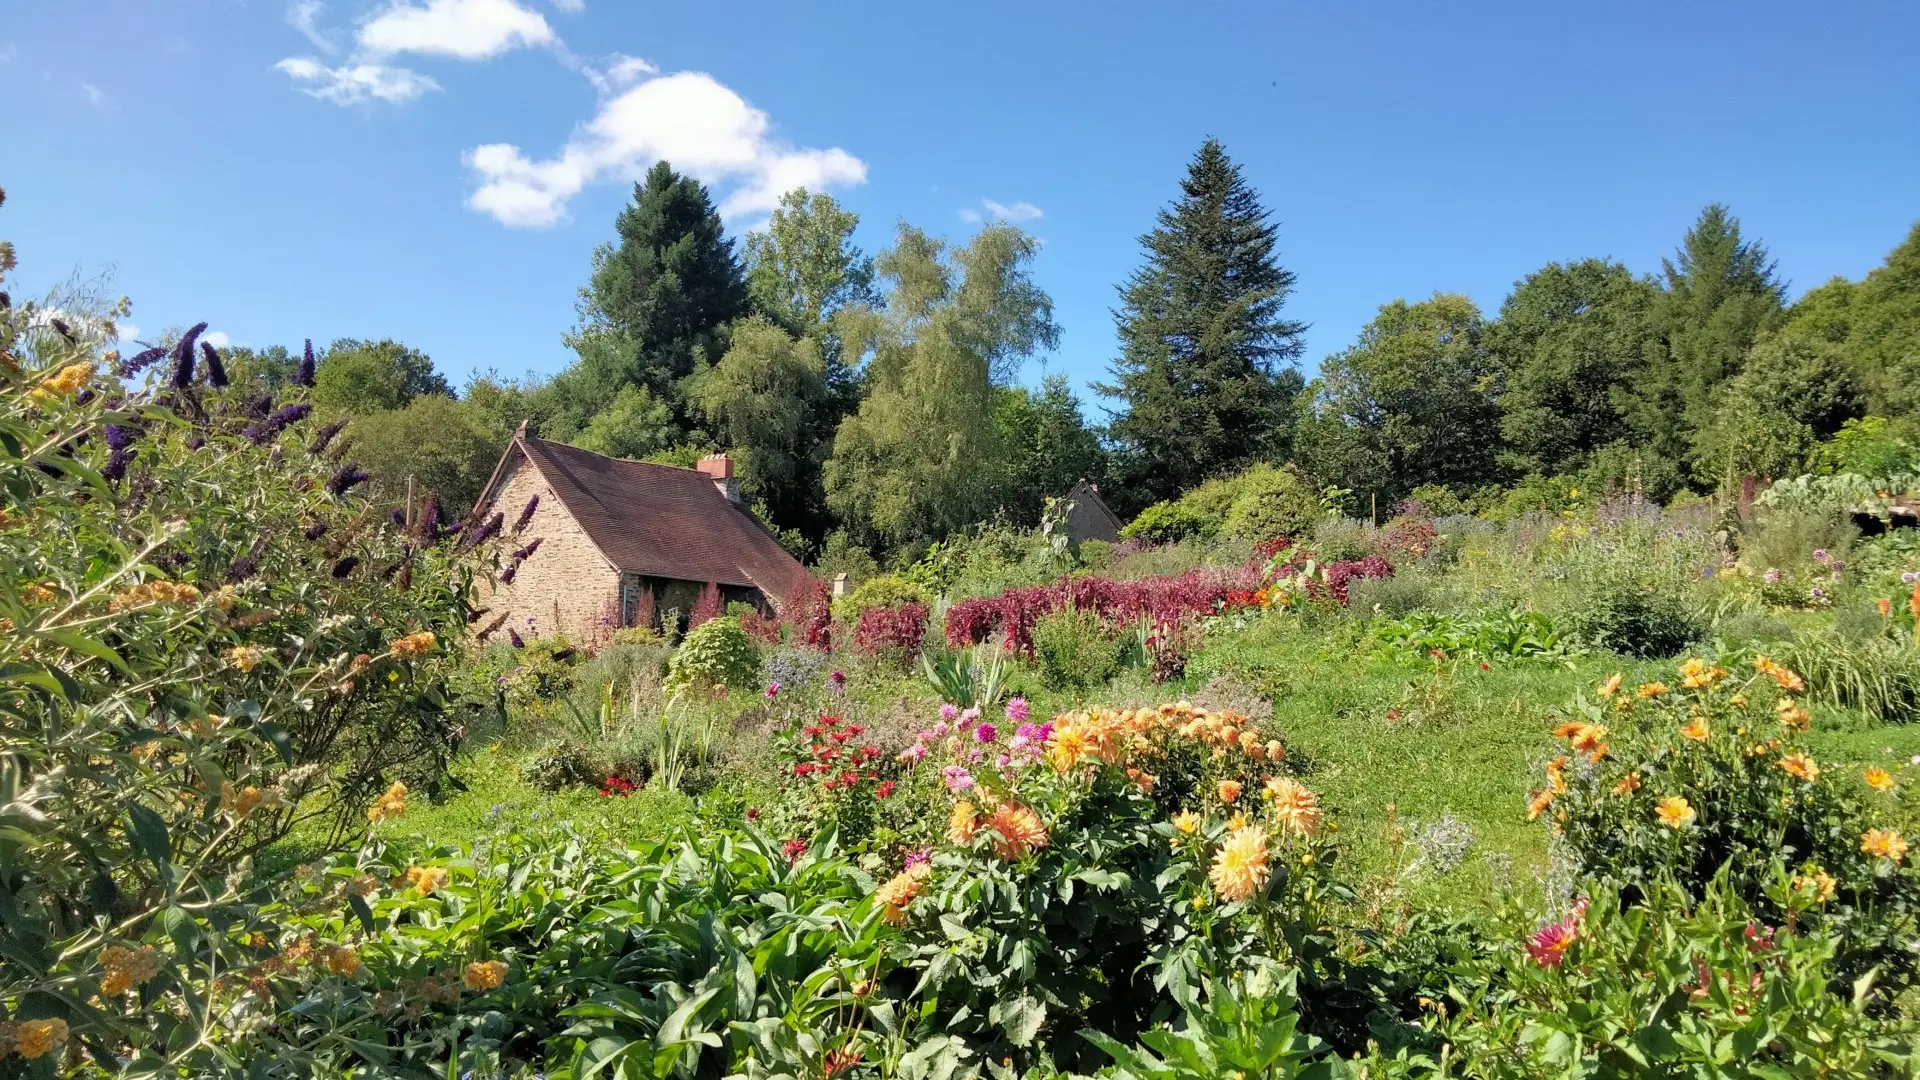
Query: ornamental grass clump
x=1709, y=773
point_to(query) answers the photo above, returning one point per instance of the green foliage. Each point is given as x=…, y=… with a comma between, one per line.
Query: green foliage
x=1505, y=635
x=1049, y=445
x=634, y=424
x=1871, y=446
x=562, y=763
x=1879, y=675
x=1076, y=650
x=668, y=289
x=1262, y=503
x=803, y=269
x=886, y=590
x=715, y=655
x=920, y=458
x=1772, y=416
x=1633, y=613
x=448, y=448
x=1243, y=1027
x=973, y=678
x=357, y=378
x=1571, y=339
x=765, y=397
x=1205, y=367
x=1412, y=402
x=1678, y=986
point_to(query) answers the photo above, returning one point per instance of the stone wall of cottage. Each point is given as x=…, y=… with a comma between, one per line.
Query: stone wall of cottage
x=566, y=587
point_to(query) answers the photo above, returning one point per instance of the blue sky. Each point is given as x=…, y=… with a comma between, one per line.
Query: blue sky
x=438, y=171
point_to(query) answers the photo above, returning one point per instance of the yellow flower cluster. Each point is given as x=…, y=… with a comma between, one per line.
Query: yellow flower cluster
x=151, y=593
x=64, y=383
x=32, y=1039
x=1113, y=735
x=1697, y=674
x=340, y=960
x=423, y=879
x=127, y=968
x=246, y=657
x=1589, y=739
x=963, y=823
x=901, y=890
x=1781, y=675
x=1819, y=885
x=485, y=975
x=1017, y=831
x=1675, y=812
x=38, y=594
x=1878, y=778
x=240, y=801
x=390, y=805
x=413, y=644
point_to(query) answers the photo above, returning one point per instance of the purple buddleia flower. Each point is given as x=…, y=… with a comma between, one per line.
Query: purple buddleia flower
x=259, y=433
x=526, y=515
x=324, y=436
x=350, y=476
x=526, y=553
x=506, y=576
x=60, y=327
x=183, y=357
x=397, y=516
x=304, y=376
x=216, y=371
x=292, y=414
x=345, y=566
x=259, y=407
x=315, y=529
x=196, y=440
x=486, y=531
x=492, y=627
x=247, y=565
x=117, y=463
x=119, y=436
x=474, y=615
x=141, y=361
x=514, y=636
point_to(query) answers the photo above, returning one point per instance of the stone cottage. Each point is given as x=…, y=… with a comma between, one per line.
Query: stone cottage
x=620, y=539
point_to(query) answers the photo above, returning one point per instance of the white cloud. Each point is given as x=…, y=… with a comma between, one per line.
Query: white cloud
x=992, y=210
x=466, y=29
x=570, y=6
x=304, y=16
x=620, y=72
x=95, y=96
x=127, y=331
x=354, y=84
x=688, y=118
x=216, y=338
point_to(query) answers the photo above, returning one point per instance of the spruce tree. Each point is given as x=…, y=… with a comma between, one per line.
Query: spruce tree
x=1205, y=371
x=1718, y=294
x=666, y=292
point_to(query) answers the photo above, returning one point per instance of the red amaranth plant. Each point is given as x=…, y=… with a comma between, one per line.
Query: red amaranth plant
x=1163, y=601
x=809, y=610
x=707, y=607
x=895, y=631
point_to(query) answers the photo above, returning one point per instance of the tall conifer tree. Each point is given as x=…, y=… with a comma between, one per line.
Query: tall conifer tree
x=1205, y=372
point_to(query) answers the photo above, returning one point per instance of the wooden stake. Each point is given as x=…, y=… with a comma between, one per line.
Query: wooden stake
x=409, y=502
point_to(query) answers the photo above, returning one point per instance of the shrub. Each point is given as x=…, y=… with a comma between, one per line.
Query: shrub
x=1634, y=615
x=210, y=637
x=1095, y=555
x=1261, y=503
x=542, y=676
x=1712, y=777
x=1076, y=650
x=705, y=607
x=716, y=655
x=809, y=610
x=563, y=763
x=887, y=590
x=1167, y=522
x=894, y=633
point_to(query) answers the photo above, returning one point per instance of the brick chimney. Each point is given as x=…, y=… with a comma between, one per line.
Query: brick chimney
x=719, y=467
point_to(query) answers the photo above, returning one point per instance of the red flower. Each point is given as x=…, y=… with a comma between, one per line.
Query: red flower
x=804, y=768
x=753, y=814
x=793, y=849
x=813, y=730
x=885, y=791
x=1548, y=946
x=849, y=778
x=856, y=729
x=830, y=720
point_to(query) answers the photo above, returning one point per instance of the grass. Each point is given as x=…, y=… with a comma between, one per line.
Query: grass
x=496, y=796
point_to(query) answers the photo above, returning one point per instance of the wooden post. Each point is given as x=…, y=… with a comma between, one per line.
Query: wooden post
x=1374, y=514
x=409, y=502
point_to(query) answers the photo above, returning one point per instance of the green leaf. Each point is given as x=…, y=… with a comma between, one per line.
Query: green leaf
x=149, y=835
x=361, y=911
x=87, y=646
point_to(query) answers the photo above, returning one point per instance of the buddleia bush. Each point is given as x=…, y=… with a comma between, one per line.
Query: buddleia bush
x=207, y=638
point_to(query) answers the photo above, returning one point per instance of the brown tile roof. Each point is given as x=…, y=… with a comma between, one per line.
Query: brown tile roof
x=663, y=521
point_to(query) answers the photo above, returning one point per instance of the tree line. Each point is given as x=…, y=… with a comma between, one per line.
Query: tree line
x=872, y=401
